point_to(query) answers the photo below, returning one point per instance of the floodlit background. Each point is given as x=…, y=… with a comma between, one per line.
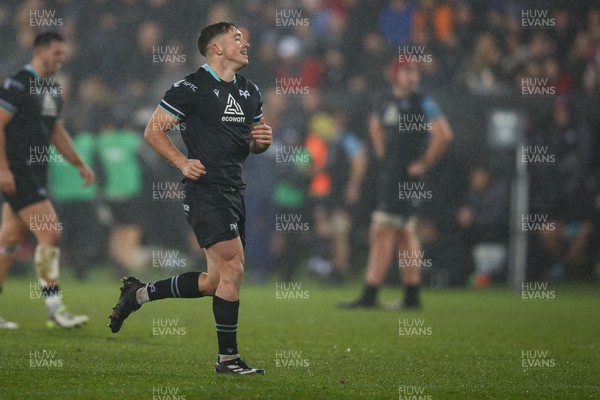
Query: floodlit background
x=518, y=81
x=512, y=209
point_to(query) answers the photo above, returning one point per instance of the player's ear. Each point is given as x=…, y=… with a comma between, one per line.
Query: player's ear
x=216, y=48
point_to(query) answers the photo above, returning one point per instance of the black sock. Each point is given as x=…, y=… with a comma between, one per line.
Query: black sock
x=369, y=294
x=226, y=319
x=50, y=290
x=411, y=295
x=182, y=286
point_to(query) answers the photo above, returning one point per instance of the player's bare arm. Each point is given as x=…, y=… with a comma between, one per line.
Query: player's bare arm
x=441, y=136
x=156, y=135
x=7, y=179
x=358, y=167
x=377, y=136
x=262, y=137
x=63, y=143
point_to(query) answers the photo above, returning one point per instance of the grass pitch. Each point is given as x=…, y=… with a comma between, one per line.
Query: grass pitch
x=464, y=344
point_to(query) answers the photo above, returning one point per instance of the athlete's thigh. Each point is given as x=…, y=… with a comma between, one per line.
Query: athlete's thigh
x=220, y=254
x=214, y=214
x=12, y=227
x=41, y=219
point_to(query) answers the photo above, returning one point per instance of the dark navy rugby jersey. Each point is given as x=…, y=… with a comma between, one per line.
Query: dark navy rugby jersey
x=216, y=118
x=406, y=125
x=35, y=104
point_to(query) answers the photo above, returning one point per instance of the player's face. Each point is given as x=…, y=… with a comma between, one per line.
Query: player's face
x=52, y=56
x=409, y=78
x=235, y=47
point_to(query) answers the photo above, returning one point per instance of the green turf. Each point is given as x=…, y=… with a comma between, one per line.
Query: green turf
x=474, y=350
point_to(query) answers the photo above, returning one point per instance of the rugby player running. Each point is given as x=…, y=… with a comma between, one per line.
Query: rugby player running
x=222, y=112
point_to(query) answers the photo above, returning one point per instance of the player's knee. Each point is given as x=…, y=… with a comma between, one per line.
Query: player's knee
x=10, y=241
x=232, y=271
x=236, y=268
x=10, y=235
x=10, y=248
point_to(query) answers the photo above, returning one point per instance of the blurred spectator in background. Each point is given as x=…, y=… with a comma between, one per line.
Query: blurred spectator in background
x=320, y=133
x=579, y=57
x=373, y=52
x=481, y=72
x=77, y=208
x=338, y=49
x=118, y=152
x=484, y=220
x=258, y=197
x=514, y=57
x=395, y=21
x=563, y=33
x=95, y=103
x=347, y=164
x=437, y=16
x=567, y=244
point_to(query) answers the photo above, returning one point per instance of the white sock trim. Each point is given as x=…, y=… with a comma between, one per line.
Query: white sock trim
x=141, y=295
x=228, y=357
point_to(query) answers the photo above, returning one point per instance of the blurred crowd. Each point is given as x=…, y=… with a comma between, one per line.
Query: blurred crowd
x=318, y=64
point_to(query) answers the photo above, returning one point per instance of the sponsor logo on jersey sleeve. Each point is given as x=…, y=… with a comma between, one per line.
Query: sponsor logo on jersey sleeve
x=187, y=84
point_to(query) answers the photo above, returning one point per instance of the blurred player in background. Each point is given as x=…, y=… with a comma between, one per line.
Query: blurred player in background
x=223, y=119
x=30, y=119
x=409, y=134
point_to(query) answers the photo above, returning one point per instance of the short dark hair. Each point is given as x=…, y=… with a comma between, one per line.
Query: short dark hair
x=209, y=32
x=44, y=39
